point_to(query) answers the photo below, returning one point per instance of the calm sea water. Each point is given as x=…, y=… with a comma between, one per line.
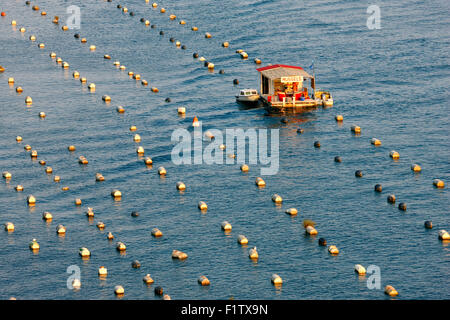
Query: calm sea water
x=393, y=83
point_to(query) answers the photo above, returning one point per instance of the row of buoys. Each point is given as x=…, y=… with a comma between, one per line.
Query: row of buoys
x=329, y=249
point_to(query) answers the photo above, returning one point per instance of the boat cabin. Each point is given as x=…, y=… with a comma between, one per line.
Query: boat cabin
x=285, y=86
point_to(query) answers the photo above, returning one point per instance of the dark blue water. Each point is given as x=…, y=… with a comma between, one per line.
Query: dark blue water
x=392, y=82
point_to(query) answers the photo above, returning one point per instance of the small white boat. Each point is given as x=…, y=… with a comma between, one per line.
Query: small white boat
x=248, y=95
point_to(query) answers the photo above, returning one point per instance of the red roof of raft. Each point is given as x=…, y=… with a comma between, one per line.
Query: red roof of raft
x=281, y=70
x=278, y=66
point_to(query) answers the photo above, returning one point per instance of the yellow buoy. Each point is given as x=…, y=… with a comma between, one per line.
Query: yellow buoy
x=100, y=225
x=78, y=202
x=71, y=148
x=99, y=177
x=291, y=211
x=172, y=17
x=91, y=87
x=375, y=142
x=83, y=80
x=140, y=150
x=202, y=205
x=76, y=74
x=48, y=170
x=133, y=128
x=244, y=168
x=31, y=200
x=277, y=199
x=10, y=80
x=107, y=57
x=204, y=281
x=225, y=44
x=257, y=61
x=116, y=194
x=194, y=29
x=119, y=290
x=390, y=291
x=83, y=160
x=60, y=229
x=244, y=55
x=120, y=109
x=226, y=226
x=65, y=65
x=106, y=98
x=242, y=240
x=339, y=117
x=120, y=246
x=65, y=28
x=182, y=22
x=33, y=154
x=148, y=279
x=253, y=254
x=157, y=233
x=394, y=155
x=7, y=175
x=102, y=271
x=276, y=279
x=27, y=147
x=148, y=161
x=260, y=182
x=83, y=40
x=181, y=186
x=176, y=254
x=32, y=38
x=34, y=245
x=47, y=216
x=19, y=188
x=162, y=10
x=360, y=269
x=161, y=171
x=41, y=45
x=444, y=235
x=311, y=230
x=438, y=183
x=90, y=212
x=13, y=23
x=208, y=35
x=333, y=249
x=9, y=226
x=181, y=110
x=144, y=82
x=416, y=168
x=28, y=100
x=109, y=236
x=57, y=178
x=42, y=114
x=355, y=129
x=22, y=29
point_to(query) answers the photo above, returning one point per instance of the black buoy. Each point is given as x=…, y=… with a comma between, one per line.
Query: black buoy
x=119, y=6
x=300, y=130
x=206, y=63
x=159, y=291
x=322, y=242
x=428, y=225
x=153, y=26
x=235, y=81
x=135, y=214
x=358, y=173
x=195, y=55
x=183, y=47
x=172, y=39
x=27, y=3
x=136, y=264
x=337, y=159
x=142, y=20
x=221, y=71
x=378, y=188
x=402, y=206
x=161, y=32
x=168, y=100
x=391, y=198
x=76, y=35
x=317, y=144
x=131, y=13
